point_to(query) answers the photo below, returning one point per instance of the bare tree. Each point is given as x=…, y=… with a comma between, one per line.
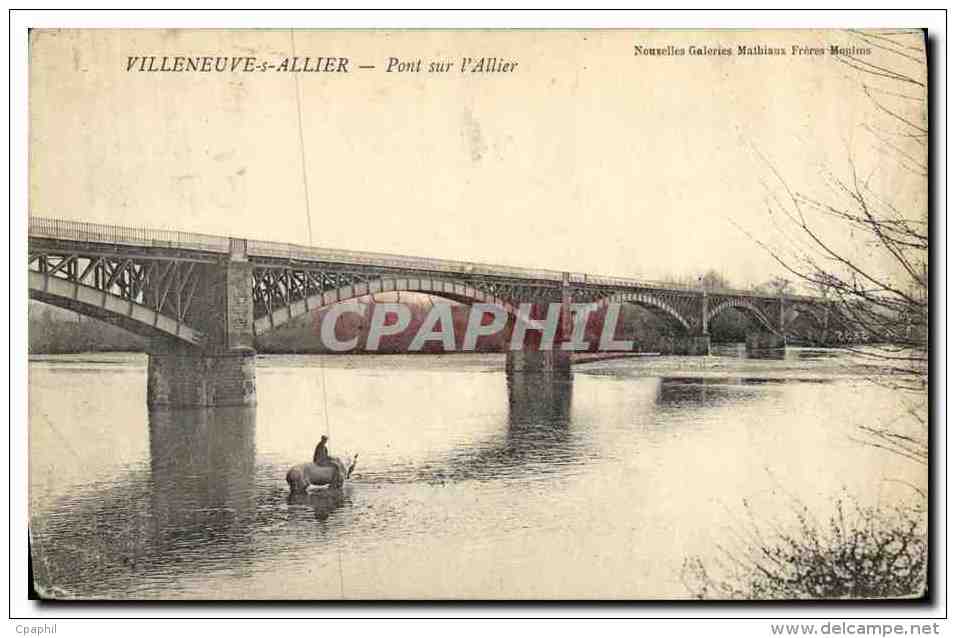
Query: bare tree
x=775, y=286
x=863, y=243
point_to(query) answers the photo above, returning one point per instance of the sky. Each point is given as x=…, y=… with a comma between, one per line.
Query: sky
x=585, y=157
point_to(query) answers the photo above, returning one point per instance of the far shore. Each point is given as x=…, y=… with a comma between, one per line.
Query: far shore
x=840, y=365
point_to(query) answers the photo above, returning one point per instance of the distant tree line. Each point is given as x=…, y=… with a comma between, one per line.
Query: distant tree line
x=56, y=331
x=648, y=330
x=52, y=330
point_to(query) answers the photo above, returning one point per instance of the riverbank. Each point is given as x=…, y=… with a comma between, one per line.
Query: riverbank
x=725, y=361
x=731, y=361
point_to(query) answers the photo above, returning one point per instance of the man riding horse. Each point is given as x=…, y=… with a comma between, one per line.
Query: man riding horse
x=324, y=469
x=321, y=457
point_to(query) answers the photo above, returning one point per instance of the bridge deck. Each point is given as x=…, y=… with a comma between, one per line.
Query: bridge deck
x=108, y=234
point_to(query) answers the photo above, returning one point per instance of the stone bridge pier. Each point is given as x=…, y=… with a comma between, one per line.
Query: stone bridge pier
x=538, y=353
x=767, y=340
x=696, y=342
x=758, y=341
x=222, y=371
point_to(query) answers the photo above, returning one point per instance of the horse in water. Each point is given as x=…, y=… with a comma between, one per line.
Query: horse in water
x=305, y=475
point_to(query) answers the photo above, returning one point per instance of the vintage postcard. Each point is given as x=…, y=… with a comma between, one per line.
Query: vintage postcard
x=478, y=314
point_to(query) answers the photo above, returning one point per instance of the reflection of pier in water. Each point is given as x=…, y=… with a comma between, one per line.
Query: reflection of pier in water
x=704, y=392
x=202, y=502
x=208, y=490
x=203, y=467
x=538, y=438
x=196, y=502
x=699, y=392
x=200, y=505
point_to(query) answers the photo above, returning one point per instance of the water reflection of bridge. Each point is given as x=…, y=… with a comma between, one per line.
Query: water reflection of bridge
x=538, y=437
x=194, y=506
x=205, y=502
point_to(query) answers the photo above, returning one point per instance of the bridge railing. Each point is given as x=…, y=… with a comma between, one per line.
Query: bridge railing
x=626, y=282
x=306, y=253
x=629, y=282
x=281, y=250
x=109, y=234
x=125, y=235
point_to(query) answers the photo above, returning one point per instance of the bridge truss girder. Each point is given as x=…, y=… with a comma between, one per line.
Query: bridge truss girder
x=277, y=285
x=765, y=311
x=682, y=308
x=168, y=281
x=165, y=285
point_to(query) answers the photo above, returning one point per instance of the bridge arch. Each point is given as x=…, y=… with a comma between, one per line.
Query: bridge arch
x=449, y=289
x=93, y=302
x=650, y=301
x=745, y=305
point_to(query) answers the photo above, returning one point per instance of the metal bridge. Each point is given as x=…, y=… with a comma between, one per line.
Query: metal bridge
x=148, y=280
x=206, y=295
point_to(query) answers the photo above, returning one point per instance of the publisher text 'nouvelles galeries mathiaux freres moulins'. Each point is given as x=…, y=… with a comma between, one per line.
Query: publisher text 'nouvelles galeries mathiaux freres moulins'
x=672, y=50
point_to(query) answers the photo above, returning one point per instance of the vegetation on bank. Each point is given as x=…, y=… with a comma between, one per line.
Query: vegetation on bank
x=56, y=331
x=51, y=330
x=859, y=552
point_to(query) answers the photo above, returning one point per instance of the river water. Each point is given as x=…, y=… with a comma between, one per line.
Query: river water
x=469, y=484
